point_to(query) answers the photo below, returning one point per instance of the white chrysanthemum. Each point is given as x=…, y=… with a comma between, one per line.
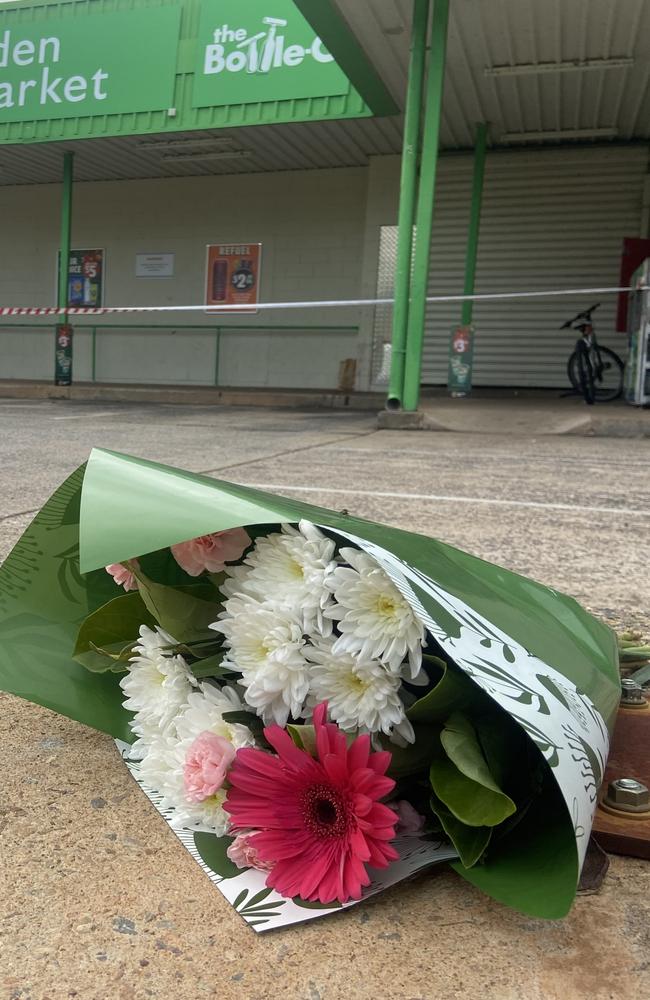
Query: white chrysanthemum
x=163, y=765
x=289, y=568
x=204, y=714
x=361, y=693
x=374, y=619
x=156, y=686
x=266, y=645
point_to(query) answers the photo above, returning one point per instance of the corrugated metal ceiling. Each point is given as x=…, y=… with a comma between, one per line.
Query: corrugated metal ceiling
x=482, y=34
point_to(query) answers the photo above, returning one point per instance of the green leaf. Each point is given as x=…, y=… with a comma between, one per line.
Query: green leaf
x=415, y=757
x=109, y=631
x=634, y=653
x=213, y=851
x=211, y=666
x=304, y=737
x=184, y=612
x=259, y=897
x=249, y=719
x=114, y=658
x=116, y=651
x=98, y=663
x=463, y=781
x=453, y=690
x=470, y=841
x=240, y=898
x=535, y=868
x=509, y=754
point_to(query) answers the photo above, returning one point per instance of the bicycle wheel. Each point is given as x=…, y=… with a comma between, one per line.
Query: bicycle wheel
x=608, y=375
x=604, y=377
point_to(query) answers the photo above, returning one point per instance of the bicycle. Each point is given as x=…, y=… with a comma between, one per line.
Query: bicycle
x=595, y=372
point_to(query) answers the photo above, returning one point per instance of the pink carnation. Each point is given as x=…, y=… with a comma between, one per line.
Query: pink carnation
x=320, y=821
x=243, y=853
x=123, y=575
x=211, y=552
x=206, y=766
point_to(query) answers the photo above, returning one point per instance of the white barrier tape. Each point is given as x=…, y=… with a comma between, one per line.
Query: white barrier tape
x=322, y=304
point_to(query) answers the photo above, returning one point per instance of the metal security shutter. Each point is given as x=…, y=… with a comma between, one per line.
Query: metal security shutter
x=551, y=219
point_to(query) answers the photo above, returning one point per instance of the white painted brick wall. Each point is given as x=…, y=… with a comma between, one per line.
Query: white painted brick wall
x=311, y=225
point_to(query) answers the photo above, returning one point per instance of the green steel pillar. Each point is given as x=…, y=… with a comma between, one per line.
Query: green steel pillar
x=63, y=349
x=474, y=221
x=425, y=206
x=408, y=188
x=66, y=228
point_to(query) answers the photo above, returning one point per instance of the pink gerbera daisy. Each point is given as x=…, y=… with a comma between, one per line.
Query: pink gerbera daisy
x=319, y=820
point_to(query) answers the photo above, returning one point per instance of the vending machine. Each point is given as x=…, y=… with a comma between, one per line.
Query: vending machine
x=637, y=368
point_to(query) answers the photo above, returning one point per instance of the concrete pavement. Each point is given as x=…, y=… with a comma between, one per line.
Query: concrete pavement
x=97, y=898
x=486, y=411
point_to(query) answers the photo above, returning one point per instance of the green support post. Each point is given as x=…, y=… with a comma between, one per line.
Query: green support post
x=408, y=188
x=425, y=206
x=66, y=229
x=63, y=354
x=480, y=149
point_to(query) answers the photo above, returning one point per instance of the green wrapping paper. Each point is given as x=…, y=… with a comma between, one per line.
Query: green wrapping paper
x=536, y=653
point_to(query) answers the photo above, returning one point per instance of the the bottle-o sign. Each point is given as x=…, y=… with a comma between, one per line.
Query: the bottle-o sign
x=236, y=50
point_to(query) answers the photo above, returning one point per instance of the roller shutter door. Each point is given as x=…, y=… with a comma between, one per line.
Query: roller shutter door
x=551, y=219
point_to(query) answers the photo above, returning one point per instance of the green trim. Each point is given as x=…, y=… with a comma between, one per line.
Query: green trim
x=408, y=189
x=474, y=221
x=331, y=28
x=425, y=207
x=66, y=229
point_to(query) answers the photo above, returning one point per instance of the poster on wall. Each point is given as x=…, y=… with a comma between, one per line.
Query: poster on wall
x=154, y=265
x=86, y=273
x=233, y=276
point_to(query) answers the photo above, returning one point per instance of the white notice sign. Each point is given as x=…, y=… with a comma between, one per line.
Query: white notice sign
x=154, y=265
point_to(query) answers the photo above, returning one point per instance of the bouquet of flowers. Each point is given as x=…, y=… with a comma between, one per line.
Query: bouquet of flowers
x=319, y=706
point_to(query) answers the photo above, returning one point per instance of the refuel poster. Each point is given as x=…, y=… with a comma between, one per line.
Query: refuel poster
x=233, y=276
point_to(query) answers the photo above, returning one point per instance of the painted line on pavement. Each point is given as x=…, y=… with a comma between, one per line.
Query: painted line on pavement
x=437, y=498
x=92, y=416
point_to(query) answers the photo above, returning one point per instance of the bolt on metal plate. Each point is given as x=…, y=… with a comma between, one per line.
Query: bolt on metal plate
x=632, y=694
x=628, y=795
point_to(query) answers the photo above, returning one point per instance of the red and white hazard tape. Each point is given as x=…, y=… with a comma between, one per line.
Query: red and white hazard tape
x=52, y=311
x=323, y=304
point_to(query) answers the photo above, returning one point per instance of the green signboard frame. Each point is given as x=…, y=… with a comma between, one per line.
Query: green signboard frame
x=115, y=67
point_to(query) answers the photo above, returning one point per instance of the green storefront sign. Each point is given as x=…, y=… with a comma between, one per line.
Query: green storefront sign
x=260, y=50
x=146, y=67
x=115, y=63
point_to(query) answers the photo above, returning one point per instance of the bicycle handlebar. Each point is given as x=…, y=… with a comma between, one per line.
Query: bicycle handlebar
x=586, y=316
